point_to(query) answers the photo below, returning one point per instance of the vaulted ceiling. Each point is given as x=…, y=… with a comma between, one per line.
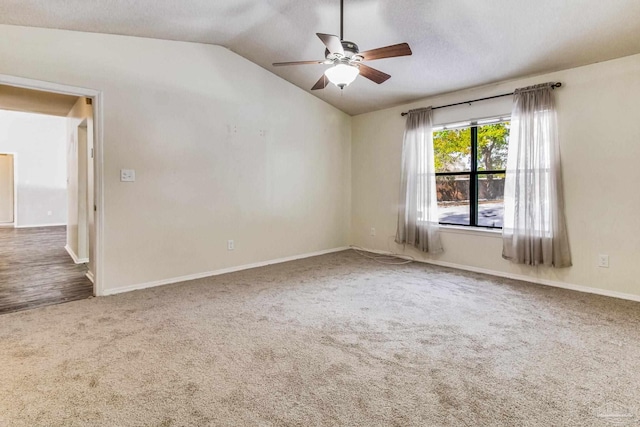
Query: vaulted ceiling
x=456, y=43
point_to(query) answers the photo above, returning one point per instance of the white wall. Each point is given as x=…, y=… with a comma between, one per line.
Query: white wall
x=599, y=129
x=39, y=143
x=222, y=150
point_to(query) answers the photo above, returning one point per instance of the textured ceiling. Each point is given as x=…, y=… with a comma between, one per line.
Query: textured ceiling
x=456, y=43
x=35, y=101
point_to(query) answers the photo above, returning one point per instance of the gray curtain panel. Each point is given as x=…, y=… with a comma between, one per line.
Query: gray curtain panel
x=534, y=230
x=418, y=207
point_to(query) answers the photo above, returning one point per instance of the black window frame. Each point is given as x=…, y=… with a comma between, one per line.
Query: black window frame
x=473, y=174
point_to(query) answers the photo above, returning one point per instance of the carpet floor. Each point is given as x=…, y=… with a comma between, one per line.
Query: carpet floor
x=325, y=341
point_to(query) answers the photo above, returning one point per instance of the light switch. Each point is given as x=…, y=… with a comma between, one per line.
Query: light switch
x=127, y=175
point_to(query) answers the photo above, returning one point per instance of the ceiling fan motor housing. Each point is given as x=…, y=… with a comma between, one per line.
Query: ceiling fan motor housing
x=350, y=50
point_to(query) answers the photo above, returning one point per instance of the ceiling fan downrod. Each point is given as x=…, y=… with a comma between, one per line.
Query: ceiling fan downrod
x=341, y=20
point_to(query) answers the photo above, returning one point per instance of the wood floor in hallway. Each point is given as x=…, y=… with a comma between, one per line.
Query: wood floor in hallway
x=36, y=270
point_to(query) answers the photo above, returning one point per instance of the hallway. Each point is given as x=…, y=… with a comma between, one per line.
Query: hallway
x=35, y=269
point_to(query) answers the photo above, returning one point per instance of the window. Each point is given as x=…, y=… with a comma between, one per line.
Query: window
x=470, y=161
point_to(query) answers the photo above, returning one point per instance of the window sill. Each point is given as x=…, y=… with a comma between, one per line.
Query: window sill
x=472, y=231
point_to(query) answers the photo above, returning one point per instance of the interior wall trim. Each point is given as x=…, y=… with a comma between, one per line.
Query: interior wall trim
x=219, y=272
x=520, y=277
x=41, y=225
x=74, y=257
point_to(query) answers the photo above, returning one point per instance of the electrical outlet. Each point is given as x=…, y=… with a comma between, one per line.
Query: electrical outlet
x=127, y=175
x=373, y=231
x=603, y=260
x=230, y=245
x=49, y=213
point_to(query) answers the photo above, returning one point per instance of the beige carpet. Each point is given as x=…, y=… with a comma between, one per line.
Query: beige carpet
x=331, y=340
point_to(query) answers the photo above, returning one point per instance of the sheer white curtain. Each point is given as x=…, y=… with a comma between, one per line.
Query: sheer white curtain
x=534, y=230
x=418, y=209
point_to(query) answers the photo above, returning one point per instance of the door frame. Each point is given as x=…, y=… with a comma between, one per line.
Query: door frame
x=83, y=155
x=14, y=166
x=98, y=186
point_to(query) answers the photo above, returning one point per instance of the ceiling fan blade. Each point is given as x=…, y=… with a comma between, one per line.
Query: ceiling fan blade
x=279, y=64
x=321, y=84
x=373, y=74
x=332, y=43
x=392, y=51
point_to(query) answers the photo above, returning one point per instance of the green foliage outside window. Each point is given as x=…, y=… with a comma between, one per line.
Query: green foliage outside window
x=470, y=191
x=452, y=148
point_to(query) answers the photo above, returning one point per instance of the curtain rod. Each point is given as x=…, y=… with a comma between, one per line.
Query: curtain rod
x=553, y=86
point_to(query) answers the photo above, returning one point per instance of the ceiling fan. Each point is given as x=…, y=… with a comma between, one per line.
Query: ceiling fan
x=346, y=59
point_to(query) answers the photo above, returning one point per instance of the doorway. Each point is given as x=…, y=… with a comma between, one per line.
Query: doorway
x=89, y=191
x=35, y=269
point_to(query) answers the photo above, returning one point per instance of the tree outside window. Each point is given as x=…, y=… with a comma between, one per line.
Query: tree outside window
x=470, y=167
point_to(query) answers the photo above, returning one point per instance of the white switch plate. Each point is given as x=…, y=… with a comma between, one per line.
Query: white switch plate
x=127, y=175
x=373, y=231
x=230, y=245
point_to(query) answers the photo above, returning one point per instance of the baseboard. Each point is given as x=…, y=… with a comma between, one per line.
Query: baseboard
x=8, y=225
x=89, y=276
x=218, y=272
x=40, y=225
x=523, y=278
x=74, y=257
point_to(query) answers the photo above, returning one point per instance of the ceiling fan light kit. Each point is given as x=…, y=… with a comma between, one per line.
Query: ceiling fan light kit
x=342, y=75
x=347, y=59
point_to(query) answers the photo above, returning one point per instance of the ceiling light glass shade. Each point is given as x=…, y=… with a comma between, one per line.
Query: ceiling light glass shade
x=342, y=75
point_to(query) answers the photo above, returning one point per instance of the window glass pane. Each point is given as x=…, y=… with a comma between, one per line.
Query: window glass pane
x=493, y=141
x=452, y=150
x=490, y=199
x=453, y=199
